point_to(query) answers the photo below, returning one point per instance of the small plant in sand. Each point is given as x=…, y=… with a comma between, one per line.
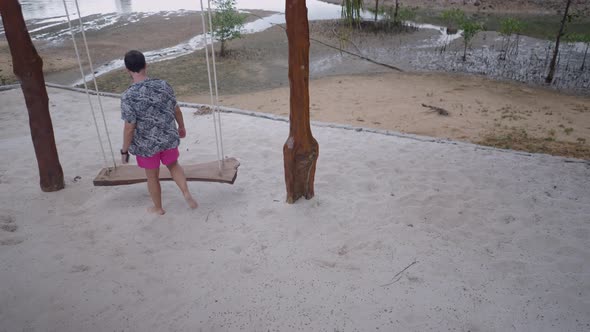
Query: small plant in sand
x=508, y=28
x=395, y=16
x=351, y=11
x=519, y=139
x=453, y=18
x=583, y=38
x=567, y=18
x=470, y=29
x=377, y=9
x=227, y=22
x=401, y=16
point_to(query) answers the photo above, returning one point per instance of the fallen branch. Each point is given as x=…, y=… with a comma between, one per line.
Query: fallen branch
x=398, y=274
x=357, y=55
x=340, y=49
x=439, y=110
x=342, y=38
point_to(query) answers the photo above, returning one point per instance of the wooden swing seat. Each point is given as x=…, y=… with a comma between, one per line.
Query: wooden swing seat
x=207, y=172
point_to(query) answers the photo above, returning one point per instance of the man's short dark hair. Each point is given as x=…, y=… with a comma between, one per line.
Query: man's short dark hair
x=134, y=61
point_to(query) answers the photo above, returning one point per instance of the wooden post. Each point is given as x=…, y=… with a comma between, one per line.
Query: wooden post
x=301, y=150
x=28, y=68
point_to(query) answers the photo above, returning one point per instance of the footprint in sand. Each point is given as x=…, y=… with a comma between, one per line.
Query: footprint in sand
x=582, y=234
x=262, y=213
x=79, y=268
x=9, y=228
x=7, y=224
x=509, y=219
x=11, y=242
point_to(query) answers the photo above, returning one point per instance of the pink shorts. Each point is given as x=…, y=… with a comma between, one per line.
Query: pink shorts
x=168, y=157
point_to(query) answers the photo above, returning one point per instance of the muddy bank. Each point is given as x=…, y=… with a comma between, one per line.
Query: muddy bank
x=109, y=37
x=261, y=59
x=259, y=62
x=482, y=111
x=345, y=89
x=490, y=6
x=254, y=76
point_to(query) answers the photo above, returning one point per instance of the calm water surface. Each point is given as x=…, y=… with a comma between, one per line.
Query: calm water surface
x=41, y=9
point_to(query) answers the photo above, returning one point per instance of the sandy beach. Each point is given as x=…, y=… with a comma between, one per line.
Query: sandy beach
x=489, y=108
x=473, y=220
x=479, y=109
x=349, y=90
x=405, y=234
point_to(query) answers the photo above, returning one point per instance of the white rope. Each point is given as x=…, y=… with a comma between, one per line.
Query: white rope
x=210, y=83
x=95, y=84
x=85, y=86
x=215, y=80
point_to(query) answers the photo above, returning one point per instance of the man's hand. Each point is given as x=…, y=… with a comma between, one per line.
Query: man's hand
x=180, y=120
x=128, y=132
x=124, y=157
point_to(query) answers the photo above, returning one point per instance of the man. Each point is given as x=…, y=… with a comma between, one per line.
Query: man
x=150, y=112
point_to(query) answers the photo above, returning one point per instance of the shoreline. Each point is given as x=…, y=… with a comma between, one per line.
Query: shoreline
x=479, y=6
x=108, y=42
x=256, y=68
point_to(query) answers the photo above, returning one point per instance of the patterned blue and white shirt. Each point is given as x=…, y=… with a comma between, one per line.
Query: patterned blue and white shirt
x=151, y=105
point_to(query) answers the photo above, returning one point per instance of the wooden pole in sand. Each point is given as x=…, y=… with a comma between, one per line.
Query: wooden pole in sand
x=28, y=67
x=301, y=150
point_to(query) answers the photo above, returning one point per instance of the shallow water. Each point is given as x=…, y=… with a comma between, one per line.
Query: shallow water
x=41, y=9
x=99, y=14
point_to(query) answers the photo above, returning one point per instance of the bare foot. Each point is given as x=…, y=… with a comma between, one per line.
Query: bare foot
x=156, y=210
x=191, y=201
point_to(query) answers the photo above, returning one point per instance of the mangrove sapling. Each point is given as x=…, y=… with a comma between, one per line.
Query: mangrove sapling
x=227, y=22
x=376, y=10
x=587, y=42
x=508, y=28
x=398, y=17
x=582, y=38
x=470, y=29
x=351, y=12
x=452, y=18
x=560, y=34
x=396, y=11
x=404, y=15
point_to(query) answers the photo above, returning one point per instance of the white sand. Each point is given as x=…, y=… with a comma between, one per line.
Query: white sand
x=501, y=240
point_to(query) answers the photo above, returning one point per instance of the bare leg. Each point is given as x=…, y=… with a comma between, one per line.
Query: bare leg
x=178, y=175
x=153, y=182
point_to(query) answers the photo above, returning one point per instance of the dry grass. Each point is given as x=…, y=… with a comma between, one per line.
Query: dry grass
x=519, y=139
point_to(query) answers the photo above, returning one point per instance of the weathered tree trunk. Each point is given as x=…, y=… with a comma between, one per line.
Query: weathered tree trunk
x=549, y=78
x=301, y=150
x=396, y=12
x=28, y=68
x=222, y=51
